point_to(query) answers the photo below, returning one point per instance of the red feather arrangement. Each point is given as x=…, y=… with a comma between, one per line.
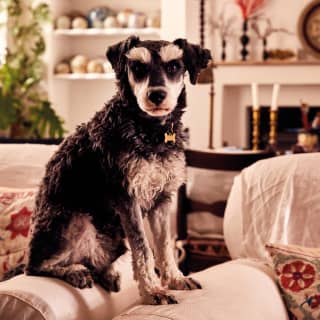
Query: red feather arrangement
x=249, y=7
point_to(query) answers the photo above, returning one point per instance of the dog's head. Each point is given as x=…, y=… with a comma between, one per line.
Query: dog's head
x=155, y=70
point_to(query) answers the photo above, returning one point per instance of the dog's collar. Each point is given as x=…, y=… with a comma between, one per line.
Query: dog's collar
x=170, y=135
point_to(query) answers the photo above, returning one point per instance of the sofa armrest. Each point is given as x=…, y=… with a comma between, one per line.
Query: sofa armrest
x=233, y=290
x=41, y=298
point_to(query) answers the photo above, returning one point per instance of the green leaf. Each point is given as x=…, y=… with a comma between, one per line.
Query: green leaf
x=22, y=98
x=8, y=113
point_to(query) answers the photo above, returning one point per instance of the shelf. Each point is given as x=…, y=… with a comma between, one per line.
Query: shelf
x=269, y=63
x=107, y=32
x=86, y=76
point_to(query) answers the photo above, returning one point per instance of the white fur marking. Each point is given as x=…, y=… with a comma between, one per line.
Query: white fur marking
x=170, y=52
x=148, y=178
x=81, y=241
x=140, y=90
x=141, y=54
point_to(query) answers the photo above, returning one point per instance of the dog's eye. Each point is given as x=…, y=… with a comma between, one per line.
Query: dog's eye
x=172, y=67
x=139, y=69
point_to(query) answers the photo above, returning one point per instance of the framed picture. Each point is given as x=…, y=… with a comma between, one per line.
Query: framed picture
x=309, y=28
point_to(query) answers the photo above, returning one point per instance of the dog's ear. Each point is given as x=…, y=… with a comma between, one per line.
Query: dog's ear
x=116, y=53
x=195, y=58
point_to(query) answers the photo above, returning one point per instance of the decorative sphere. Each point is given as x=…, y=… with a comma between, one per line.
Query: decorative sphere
x=107, y=67
x=63, y=22
x=79, y=64
x=96, y=16
x=111, y=22
x=62, y=68
x=123, y=17
x=95, y=66
x=137, y=20
x=79, y=23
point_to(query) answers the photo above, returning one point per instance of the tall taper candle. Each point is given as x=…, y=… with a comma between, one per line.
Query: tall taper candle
x=254, y=93
x=275, y=94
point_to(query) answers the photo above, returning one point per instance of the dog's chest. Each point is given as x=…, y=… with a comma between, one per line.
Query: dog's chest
x=147, y=179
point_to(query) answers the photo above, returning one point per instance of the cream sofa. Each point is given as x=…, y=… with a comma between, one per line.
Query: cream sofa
x=241, y=289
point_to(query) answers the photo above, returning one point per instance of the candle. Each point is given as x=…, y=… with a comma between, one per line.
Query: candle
x=274, y=100
x=254, y=92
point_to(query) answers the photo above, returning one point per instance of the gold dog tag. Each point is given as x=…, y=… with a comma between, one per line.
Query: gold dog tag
x=170, y=136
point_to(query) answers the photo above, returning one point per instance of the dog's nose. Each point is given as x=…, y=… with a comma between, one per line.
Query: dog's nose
x=156, y=96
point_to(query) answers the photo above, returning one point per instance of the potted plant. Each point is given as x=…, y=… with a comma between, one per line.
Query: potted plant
x=25, y=111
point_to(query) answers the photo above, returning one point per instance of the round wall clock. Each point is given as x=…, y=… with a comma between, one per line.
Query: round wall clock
x=309, y=28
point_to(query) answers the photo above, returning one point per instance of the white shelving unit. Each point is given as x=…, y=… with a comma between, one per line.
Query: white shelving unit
x=76, y=97
x=116, y=32
x=86, y=76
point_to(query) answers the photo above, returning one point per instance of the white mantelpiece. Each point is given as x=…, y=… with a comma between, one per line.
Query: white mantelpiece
x=233, y=93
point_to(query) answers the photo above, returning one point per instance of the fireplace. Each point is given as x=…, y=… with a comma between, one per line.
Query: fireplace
x=288, y=125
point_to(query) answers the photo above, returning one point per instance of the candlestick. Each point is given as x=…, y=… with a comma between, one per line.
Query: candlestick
x=275, y=93
x=273, y=127
x=255, y=129
x=254, y=93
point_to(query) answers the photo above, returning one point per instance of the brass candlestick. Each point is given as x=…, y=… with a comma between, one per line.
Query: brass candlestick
x=273, y=127
x=255, y=129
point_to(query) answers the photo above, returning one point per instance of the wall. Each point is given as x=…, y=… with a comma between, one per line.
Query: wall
x=3, y=41
x=234, y=98
x=178, y=24
x=283, y=14
x=181, y=19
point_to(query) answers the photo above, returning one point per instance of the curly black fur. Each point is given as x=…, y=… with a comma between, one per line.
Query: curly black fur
x=86, y=181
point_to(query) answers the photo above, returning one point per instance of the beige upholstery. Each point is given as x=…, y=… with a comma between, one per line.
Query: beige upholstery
x=276, y=201
x=242, y=289
x=239, y=290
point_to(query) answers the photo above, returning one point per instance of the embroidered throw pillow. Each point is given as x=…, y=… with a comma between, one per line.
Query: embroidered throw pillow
x=16, y=206
x=298, y=274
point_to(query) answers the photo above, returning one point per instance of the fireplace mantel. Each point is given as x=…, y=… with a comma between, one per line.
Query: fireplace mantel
x=298, y=80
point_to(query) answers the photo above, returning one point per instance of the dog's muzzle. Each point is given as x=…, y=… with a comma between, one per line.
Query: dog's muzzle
x=156, y=96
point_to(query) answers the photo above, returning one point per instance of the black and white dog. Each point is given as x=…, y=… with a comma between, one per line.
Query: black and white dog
x=126, y=163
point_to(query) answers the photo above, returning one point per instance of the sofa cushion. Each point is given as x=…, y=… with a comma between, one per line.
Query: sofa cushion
x=270, y=201
x=16, y=206
x=233, y=290
x=23, y=165
x=52, y=299
x=298, y=273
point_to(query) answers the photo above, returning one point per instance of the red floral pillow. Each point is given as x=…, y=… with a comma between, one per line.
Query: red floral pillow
x=16, y=207
x=298, y=274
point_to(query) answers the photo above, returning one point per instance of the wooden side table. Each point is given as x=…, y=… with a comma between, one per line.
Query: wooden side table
x=202, y=253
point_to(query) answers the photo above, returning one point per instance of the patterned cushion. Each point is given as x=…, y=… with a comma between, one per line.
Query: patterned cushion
x=16, y=206
x=298, y=274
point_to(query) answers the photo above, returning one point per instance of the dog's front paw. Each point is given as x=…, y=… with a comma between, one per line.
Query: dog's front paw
x=111, y=282
x=159, y=296
x=184, y=283
x=79, y=278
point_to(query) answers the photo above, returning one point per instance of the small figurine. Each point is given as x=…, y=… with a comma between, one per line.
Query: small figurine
x=153, y=21
x=137, y=20
x=123, y=17
x=307, y=140
x=97, y=16
x=316, y=122
x=304, y=106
